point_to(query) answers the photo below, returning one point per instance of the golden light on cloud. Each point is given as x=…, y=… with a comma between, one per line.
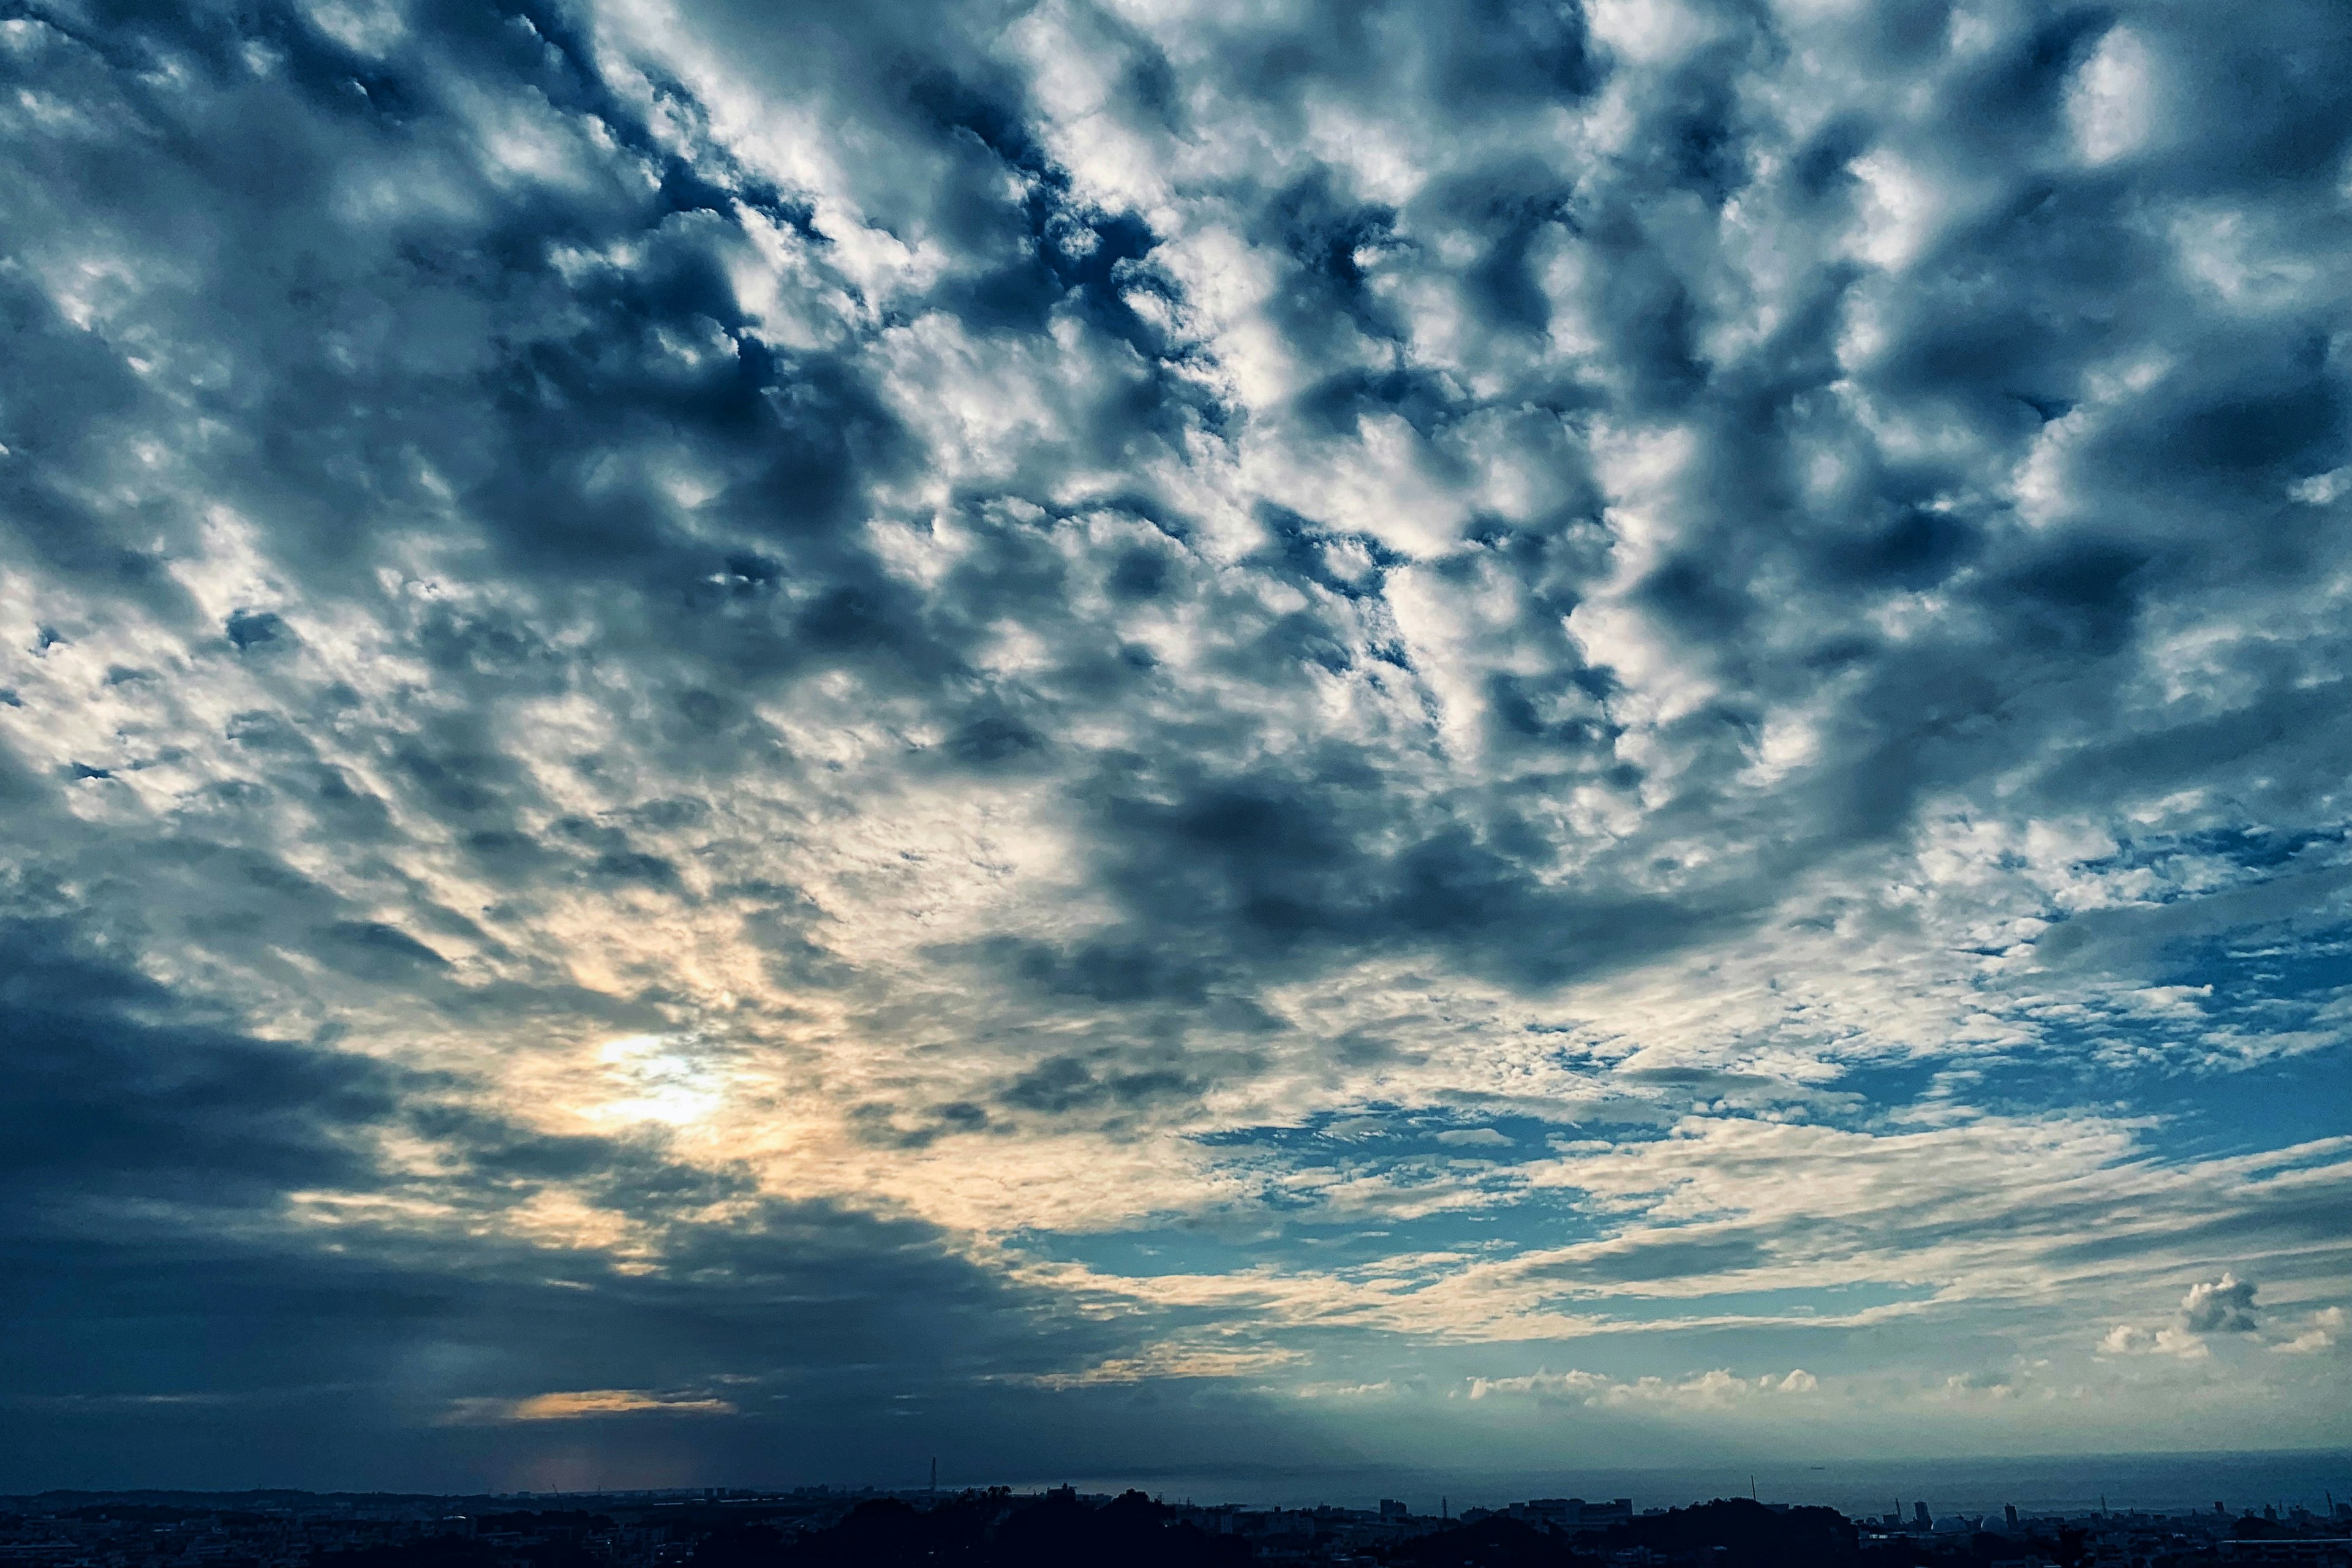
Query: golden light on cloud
x=581, y=1403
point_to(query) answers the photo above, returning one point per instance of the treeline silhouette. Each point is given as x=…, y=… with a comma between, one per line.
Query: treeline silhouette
x=985, y=1530
x=996, y=1528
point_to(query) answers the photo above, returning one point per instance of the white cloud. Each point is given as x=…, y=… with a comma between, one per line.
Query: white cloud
x=2126, y=1339
x=2112, y=102
x=1717, y=1388
x=2324, y=1331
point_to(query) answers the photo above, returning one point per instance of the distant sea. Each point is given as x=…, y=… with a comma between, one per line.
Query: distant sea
x=2073, y=1483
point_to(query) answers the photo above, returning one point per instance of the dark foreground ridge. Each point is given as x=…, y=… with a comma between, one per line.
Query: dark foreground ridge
x=996, y=1527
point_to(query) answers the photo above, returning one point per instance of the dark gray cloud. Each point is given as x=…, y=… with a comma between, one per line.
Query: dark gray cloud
x=2223, y=1306
x=114, y=1098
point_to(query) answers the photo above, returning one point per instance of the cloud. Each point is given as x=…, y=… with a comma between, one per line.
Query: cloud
x=2223, y=1306
x=116, y=1101
x=1501, y=675
x=1977, y=1389
x=2126, y=1339
x=1169, y=1361
x=1473, y=1138
x=1715, y=1388
x=2324, y=1331
x=585, y=1403
x=1555, y=1384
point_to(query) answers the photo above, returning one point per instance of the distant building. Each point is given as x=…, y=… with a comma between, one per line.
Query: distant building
x=1392, y=1509
x=1571, y=1512
x=1921, y=1518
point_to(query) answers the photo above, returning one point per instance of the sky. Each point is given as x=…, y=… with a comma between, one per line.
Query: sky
x=742, y=742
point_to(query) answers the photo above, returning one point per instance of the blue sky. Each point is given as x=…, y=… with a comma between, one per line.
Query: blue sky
x=736, y=741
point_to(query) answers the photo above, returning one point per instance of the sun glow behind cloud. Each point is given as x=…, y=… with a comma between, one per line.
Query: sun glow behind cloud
x=656, y=1079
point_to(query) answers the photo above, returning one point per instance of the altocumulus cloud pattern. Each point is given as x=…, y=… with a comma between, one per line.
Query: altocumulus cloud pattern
x=769, y=736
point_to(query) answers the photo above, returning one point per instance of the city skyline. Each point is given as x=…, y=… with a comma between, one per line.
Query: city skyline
x=708, y=1527
x=1474, y=736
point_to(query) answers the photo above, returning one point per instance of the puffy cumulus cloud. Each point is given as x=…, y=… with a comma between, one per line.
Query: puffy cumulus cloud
x=1553, y=1385
x=2223, y=1306
x=2324, y=1331
x=1055, y=698
x=1717, y=1387
x=2126, y=1339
